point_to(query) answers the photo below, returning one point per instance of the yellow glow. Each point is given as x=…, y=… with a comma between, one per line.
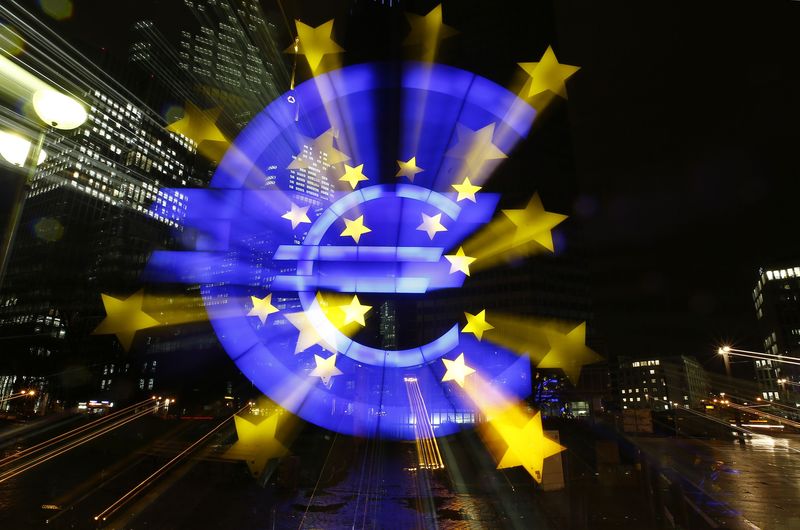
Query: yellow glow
x=457, y=370
x=257, y=443
x=515, y=234
x=549, y=344
x=408, y=168
x=309, y=334
x=58, y=110
x=466, y=190
x=314, y=43
x=478, y=154
x=57, y=9
x=355, y=228
x=262, y=307
x=355, y=311
x=512, y=435
x=17, y=82
x=15, y=149
x=548, y=74
x=476, y=324
x=331, y=304
x=200, y=126
x=527, y=444
x=354, y=175
x=459, y=262
x=316, y=148
x=426, y=34
x=124, y=318
x=10, y=41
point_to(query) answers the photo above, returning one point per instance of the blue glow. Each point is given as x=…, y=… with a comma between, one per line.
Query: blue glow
x=238, y=245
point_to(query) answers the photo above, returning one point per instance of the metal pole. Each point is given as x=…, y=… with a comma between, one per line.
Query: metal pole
x=737, y=413
x=20, y=195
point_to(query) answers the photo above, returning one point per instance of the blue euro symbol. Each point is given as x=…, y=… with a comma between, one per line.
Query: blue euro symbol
x=389, y=267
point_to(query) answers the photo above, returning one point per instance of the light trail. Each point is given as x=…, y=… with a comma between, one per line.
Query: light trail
x=116, y=505
x=17, y=396
x=73, y=432
x=762, y=414
x=763, y=357
x=427, y=447
x=71, y=445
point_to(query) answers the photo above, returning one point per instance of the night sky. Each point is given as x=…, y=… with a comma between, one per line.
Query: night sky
x=675, y=155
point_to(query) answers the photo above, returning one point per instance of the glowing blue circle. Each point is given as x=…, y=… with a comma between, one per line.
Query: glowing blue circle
x=247, y=246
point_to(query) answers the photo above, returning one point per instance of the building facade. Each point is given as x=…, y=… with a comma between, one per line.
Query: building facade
x=87, y=228
x=225, y=53
x=776, y=299
x=661, y=383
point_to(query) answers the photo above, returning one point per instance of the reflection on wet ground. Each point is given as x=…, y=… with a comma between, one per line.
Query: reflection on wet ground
x=334, y=481
x=759, y=482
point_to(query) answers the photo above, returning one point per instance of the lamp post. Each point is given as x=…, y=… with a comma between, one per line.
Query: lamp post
x=725, y=352
x=57, y=111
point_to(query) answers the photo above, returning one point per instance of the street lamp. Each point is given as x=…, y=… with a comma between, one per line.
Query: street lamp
x=55, y=109
x=725, y=352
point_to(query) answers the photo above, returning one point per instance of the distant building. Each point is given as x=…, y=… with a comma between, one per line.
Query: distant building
x=776, y=298
x=660, y=383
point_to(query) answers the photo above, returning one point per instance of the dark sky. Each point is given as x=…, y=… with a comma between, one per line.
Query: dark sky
x=676, y=154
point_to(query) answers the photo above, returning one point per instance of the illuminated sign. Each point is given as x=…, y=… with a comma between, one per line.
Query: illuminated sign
x=268, y=236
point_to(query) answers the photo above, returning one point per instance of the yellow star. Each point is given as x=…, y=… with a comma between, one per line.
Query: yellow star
x=527, y=446
x=198, y=125
x=548, y=74
x=408, y=169
x=309, y=334
x=297, y=215
x=466, y=190
x=354, y=175
x=124, y=318
x=432, y=224
x=315, y=43
x=354, y=311
x=355, y=228
x=456, y=370
x=476, y=324
x=319, y=148
x=256, y=443
x=427, y=31
x=475, y=147
x=262, y=308
x=569, y=352
x=459, y=261
x=534, y=224
x=325, y=369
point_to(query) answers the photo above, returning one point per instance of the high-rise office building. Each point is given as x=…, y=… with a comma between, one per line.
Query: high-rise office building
x=87, y=228
x=776, y=298
x=225, y=53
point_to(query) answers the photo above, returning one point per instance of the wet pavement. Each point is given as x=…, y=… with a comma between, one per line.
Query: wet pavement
x=758, y=482
x=333, y=481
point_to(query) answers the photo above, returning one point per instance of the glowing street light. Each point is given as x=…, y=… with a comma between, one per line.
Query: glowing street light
x=59, y=110
x=55, y=109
